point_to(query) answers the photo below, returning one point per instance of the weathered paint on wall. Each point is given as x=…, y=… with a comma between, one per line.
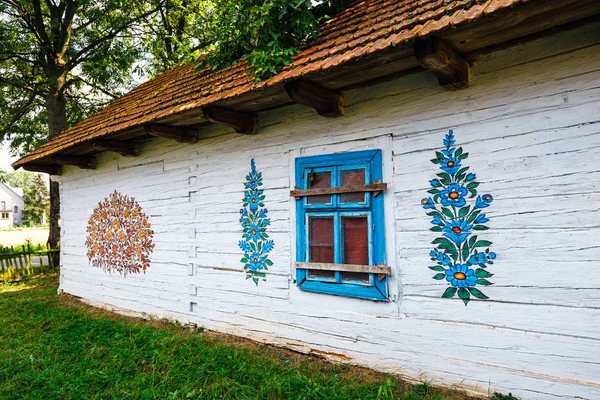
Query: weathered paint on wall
x=531, y=123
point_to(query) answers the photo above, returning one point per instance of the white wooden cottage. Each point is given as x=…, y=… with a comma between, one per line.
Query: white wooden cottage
x=11, y=206
x=445, y=235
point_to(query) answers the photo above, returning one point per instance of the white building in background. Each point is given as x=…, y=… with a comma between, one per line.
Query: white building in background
x=11, y=206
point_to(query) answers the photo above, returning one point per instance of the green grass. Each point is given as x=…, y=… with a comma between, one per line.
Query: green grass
x=55, y=347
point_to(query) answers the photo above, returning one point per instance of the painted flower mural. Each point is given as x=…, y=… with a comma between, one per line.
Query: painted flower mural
x=255, y=241
x=461, y=258
x=119, y=236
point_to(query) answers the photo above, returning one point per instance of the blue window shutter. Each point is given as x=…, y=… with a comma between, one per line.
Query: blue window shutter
x=371, y=161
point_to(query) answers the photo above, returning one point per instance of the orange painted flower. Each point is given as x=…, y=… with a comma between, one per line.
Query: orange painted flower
x=116, y=227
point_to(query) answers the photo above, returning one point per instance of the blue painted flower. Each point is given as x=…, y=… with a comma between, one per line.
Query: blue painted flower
x=470, y=177
x=253, y=200
x=433, y=253
x=448, y=152
x=256, y=261
x=443, y=258
x=435, y=183
x=268, y=246
x=263, y=213
x=245, y=246
x=450, y=165
x=478, y=258
x=449, y=139
x=252, y=183
x=461, y=276
x=457, y=230
x=427, y=203
x=243, y=212
x=484, y=201
x=492, y=255
x=481, y=219
x=436, y=220
x=253, y=232
x=454, y=195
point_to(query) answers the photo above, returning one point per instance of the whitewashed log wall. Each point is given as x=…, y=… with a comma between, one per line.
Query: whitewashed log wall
x=531, y=123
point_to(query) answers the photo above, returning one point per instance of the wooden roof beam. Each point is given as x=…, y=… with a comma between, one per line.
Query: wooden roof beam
x=126, y=149
x=244, y=123
x=45, y=169
x=83, y=162
x=181, y=134
x=327, y=103
x=452, y=70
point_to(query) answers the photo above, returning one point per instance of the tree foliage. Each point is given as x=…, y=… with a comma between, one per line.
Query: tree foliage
x=17, y=179
x=266, y=33
x=61, y=60
x=37, y=202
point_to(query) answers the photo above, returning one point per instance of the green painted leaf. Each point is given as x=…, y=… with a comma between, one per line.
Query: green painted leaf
x=458, y=152
x=472, y=241
x=436, y=229
x=439, y=277
x=463, y=156
x=482, y=273
x=483, y=282
x=464, y=295
x=480, y=228
x=444, y=175
x=478, y=293
x=436, y=161
x=472, y=185
x=447, y=213
x=473, y=216
x=433, y=191
x=439, y=155
x=449, y=292
x=268, y=262
x=464, y=211
x=437, y=268
x=482, y=243
x=465, y=251
x=434, y=213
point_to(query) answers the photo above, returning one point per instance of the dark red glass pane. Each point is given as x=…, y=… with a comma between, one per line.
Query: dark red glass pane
x=353, y=177
x=360, y=277
x=318, y=274
x=321, y=246
x=319, y=180
x=355, y=231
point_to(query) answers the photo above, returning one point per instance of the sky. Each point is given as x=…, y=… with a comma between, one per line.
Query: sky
x=6, y=159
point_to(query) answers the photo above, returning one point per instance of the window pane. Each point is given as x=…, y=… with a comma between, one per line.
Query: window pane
x=355, y=232
x=353, y=177
x=318, y=274
x=319, y=180
x=360, y=277
x=321, y=248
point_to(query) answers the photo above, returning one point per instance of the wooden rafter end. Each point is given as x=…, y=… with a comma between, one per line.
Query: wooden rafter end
x=181, y=134
x=451, y=69
x=327, y=103
x=241, y=122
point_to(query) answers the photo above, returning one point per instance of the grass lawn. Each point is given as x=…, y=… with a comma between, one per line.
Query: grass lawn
x=55, y=347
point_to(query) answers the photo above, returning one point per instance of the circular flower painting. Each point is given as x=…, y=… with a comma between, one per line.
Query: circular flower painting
x=119, y=236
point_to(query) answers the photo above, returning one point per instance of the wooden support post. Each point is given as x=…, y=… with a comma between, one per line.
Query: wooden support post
x=181, y=134
x=242, y=122
x=45, y=169
x=83, y=162
x=327, y=103
x=452, y=70
x=126, y=149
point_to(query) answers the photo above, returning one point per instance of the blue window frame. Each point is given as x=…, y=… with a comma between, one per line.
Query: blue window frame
x=341, y=228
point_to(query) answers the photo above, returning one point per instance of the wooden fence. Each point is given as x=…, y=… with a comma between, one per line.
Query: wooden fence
x=27, y=262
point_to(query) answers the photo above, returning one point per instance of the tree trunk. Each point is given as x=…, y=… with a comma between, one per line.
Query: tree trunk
x=57, y=121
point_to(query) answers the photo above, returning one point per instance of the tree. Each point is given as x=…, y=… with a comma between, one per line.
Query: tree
x=269, y=33
x=37, y=202
x=61, y=60
x=17, y=179
x=176, y=33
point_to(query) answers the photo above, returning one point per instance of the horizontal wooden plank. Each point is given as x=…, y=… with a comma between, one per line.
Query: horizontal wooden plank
x=368, y=269
x=374, y=187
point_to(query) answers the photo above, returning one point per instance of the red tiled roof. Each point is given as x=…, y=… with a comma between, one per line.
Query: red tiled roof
x=363, y=29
